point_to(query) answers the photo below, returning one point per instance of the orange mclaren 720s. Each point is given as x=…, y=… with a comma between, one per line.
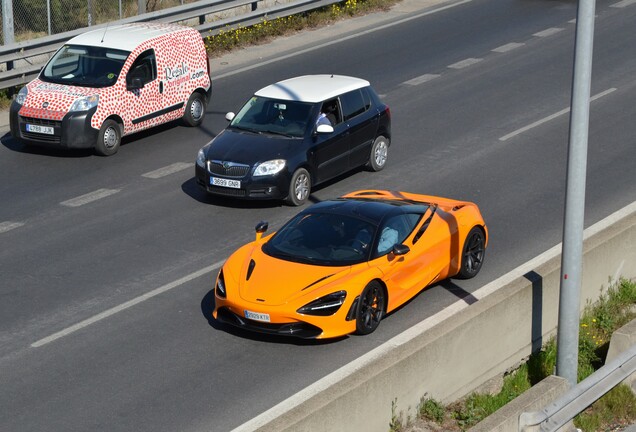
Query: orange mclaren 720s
x=339, y=266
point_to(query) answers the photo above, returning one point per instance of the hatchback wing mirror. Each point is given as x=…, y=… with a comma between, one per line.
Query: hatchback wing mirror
x=230, y=116
x=324, y=129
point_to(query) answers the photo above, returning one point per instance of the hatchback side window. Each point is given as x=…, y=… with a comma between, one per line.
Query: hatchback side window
x=144, y=68
x=354, y=103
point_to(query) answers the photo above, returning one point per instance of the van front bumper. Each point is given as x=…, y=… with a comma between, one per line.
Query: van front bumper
x=74, y=131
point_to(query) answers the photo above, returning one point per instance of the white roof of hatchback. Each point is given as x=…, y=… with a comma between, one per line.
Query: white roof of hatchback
x=125, y=37
x=312, y=88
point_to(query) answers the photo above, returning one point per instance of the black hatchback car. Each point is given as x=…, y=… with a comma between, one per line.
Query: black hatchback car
x=295, y=134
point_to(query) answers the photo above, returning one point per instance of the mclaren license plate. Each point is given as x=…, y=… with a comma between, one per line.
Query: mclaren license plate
x=256, y=316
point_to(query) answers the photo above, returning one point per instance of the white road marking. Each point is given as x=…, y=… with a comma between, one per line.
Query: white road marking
x=89, y=197
x=421, y=79
x=8, y=226
x=167, y=170
x=508, y=47
x=548, y=32
x=622, y=4
x=551, y=117
x=465, y=63
x=130, y=303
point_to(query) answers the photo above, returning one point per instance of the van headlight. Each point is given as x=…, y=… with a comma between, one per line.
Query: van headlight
x=269, y=168
x=21, y=96
x=84, y=103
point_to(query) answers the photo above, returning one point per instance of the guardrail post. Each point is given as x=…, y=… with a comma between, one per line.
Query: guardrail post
x=254, y=6
x=7, y=24
x=141, y=7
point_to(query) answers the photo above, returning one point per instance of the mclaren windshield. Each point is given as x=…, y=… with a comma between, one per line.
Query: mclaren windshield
x=84, y=66
x=323, y=239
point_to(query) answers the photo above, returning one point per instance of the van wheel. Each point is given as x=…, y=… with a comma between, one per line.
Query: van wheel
x=109, y=138
x=299, y=187
x=195, y=110
x=379, y=154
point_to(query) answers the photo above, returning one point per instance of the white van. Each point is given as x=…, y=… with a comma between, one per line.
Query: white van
x=107, y=83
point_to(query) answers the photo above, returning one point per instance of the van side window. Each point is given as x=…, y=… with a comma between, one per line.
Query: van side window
x=145, y=68
x=354, y=103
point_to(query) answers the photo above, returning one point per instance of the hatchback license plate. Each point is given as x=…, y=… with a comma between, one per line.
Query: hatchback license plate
x=256, y=316
x=40, y=129
x=235, y=184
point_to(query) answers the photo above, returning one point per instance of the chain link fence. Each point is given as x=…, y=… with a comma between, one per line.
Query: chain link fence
x=38, y=18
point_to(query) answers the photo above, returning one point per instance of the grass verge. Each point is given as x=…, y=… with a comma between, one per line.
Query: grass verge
x=614, y=410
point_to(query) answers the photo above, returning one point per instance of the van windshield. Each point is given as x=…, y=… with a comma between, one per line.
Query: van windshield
x=84, y=66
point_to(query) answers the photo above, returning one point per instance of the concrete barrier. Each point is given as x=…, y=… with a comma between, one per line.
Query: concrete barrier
x=451, y=354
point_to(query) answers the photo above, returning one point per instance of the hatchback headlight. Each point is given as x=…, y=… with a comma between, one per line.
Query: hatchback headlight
x=21, y=96
x=201, y=158
x=84, y=103
x=270, y=167
x=324, y=306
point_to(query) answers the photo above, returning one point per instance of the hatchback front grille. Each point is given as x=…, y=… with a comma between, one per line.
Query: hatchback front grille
x=228, y=169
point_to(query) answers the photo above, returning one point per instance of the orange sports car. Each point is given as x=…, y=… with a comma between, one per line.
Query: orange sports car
x=339, y=266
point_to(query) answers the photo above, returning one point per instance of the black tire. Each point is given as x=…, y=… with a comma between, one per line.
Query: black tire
x=379, y=154
x=371, y=308
x=195, y=110
x=299, y=187
x=472, y=254
x=109, y=138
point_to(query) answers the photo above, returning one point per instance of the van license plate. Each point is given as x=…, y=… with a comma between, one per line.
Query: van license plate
x=256, y=316
x=39, y=129
x=235, y=184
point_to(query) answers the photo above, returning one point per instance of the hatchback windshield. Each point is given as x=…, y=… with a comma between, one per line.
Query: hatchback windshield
x=281, y=117
x=84, y=66
x=322, y=239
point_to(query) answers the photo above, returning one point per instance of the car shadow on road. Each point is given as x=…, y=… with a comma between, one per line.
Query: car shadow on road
x=194, y=191
x=12, y=144
x=207, y=306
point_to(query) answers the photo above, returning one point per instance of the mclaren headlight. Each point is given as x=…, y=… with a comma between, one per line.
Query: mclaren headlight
x=84, y=103
x=220, y=286
x=21, y=96
x=201, y=158
x=269, y=168
x=324, y=306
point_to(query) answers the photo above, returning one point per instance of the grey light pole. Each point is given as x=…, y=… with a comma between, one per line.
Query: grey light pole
x=569, y=300
x=7, y=22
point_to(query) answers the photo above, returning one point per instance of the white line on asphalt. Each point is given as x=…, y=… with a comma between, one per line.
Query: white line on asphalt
x=126, y=305
x=167, y=170
x=508, y=47
x=89, y=197
x=421, y=79
x=551, y=117
x=341, y=39
x=384, y=350
x=548, y=32
x=622, y=4
x=8, y=226
x=465, y=63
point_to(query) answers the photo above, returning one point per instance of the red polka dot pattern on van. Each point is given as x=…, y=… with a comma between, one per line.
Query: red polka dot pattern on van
x=182, y=68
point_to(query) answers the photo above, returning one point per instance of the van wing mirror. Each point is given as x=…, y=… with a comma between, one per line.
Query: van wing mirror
x=135, y=84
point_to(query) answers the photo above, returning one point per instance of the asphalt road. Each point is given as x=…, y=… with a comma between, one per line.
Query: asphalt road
x=107, y=264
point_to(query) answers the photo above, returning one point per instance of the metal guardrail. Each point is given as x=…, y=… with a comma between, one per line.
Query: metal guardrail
x=24, y=60
x=582, y=395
